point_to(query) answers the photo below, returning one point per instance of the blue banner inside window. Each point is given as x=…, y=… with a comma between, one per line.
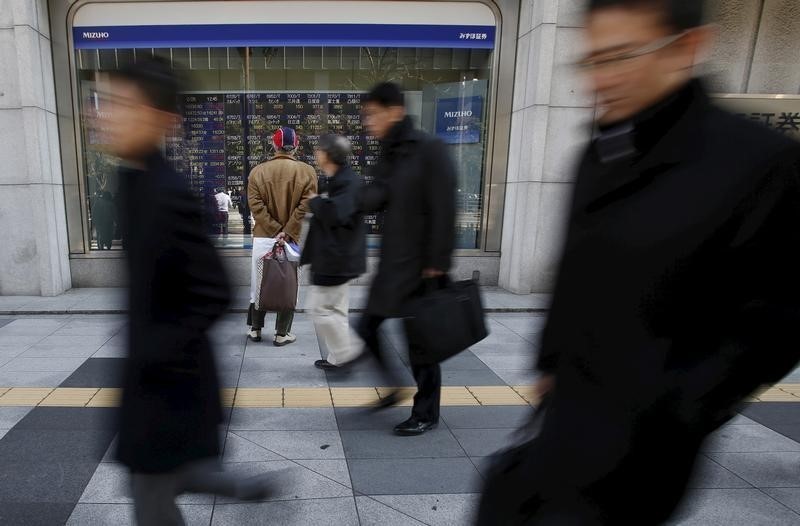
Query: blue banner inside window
x=459, y=120
x=236, y=35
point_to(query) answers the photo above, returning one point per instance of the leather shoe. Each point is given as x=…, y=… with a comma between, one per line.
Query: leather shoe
x=413, y=427
x=386, y=402
x=325, y=365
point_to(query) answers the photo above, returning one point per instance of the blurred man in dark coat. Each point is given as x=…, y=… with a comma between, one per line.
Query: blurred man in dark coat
x=678, y=292
x=171, y=409
x=415, y=188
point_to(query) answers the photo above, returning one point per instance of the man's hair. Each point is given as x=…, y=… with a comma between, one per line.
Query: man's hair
x=156, y=79
x=386, y=94
x=336, y=147
x=680, y=15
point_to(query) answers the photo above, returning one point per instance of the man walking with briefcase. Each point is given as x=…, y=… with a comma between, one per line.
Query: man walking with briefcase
x=414, y=187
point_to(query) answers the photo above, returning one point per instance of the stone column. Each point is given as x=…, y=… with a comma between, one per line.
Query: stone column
x=550, y=125
x=34, y=257
x=776, y=61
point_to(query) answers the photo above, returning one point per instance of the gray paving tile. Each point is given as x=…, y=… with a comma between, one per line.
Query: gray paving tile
x=747, y=439
x=465, y=361
x=769, y=413
x=287, y=363
x=310, y=377
x=20, y=339
x=763, y=470
x=371, y=512
x=228, y=363
x=319, y=512
x=22, y=364
x=503, y=349
x=25, y=446
x=732, y=507
x=4, y=322
x=33, y=326
x=32, y=379
x=787, y=496
x=335, y=470
x=111, y=351
x=290, y=480
x=238, y=449
x=740, y=420
x=69, y=418
x=35, y=513
x=483, y=442
x=356, y=419
x=508, y=361
x=435, y=510
x=370, y=379
x=122, y=515
x=283, y=419
x=471, y=377
x=75, y=341
x=97, y=372
x=72, y=330
x=110, y=484
x=486, y=417
x=438, y=443
x=517, y=376
x=6, y=357
x=228, y=378
x=414, y=476
x=710, y=475
x=298, y=444
x=790, y=431
x=58, y=351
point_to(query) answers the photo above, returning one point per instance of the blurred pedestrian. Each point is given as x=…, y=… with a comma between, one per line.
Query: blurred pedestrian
x=336, y=249
x=278, y=192
x=168, y=436
x=414, y=187
x=244, y=211
x=677, y=294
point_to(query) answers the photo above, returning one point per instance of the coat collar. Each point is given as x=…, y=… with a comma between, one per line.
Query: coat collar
x=667, y=135
x=281, y=155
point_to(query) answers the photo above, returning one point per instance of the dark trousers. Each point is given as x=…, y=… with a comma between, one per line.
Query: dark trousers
x=283, y=321
x=428, y=377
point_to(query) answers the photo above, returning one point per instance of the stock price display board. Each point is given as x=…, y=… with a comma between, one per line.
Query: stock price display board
x=225, y=135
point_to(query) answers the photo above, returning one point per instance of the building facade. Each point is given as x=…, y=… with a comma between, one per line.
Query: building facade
x=492, y=78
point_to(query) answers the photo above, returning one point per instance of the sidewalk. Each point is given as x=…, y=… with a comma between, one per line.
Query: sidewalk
x=59, y=387
x=112, y=301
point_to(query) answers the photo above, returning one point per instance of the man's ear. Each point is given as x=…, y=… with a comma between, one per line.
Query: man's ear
x=697, y=44
x=398, y=113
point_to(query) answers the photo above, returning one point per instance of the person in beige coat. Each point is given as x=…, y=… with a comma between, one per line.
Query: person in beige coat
x=278, y=192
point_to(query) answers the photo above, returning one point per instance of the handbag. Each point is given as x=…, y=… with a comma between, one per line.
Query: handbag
x=445, y=319
x=277, y=290
x=511, y=496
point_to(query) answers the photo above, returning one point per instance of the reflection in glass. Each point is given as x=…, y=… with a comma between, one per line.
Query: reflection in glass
x=237, y=97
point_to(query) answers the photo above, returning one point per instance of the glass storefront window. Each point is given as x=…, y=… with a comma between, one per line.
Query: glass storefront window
x=239, y=94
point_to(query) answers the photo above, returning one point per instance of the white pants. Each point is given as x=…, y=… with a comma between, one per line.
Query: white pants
x=329, y=307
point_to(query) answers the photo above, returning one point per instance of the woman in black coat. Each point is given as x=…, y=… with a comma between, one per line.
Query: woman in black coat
x=336, y=250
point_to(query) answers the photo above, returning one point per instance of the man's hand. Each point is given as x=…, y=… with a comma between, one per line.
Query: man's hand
x=429, y=273
x=545, y=384
x=281, y=238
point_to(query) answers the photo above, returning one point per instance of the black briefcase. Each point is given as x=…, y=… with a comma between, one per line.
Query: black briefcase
x=445, y=319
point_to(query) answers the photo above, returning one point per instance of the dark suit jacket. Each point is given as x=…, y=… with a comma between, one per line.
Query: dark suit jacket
x=678, y=295
x=415, y=188
x=171, y=403
x=336, y=245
